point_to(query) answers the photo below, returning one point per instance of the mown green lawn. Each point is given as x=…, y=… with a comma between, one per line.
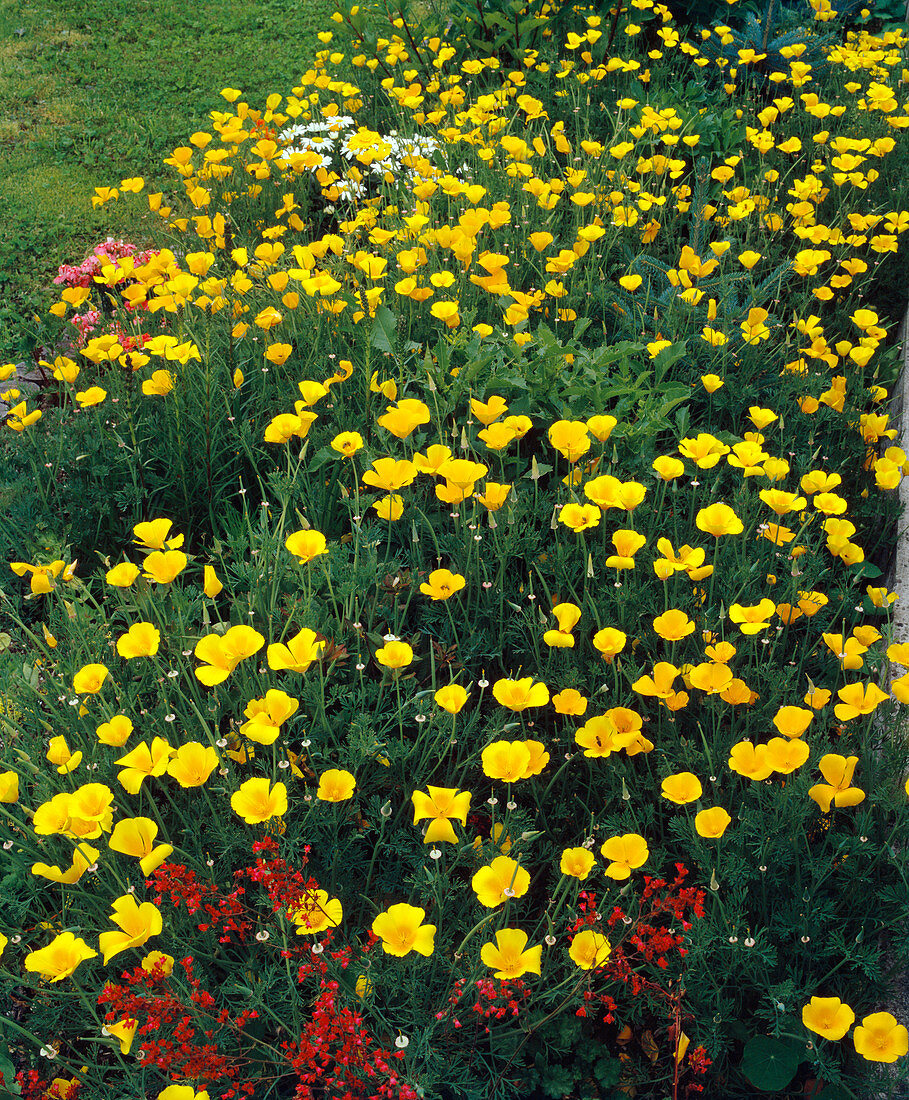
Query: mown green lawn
x=97, y=90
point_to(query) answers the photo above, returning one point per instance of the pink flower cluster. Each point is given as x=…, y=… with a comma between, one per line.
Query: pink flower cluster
x=101, y=254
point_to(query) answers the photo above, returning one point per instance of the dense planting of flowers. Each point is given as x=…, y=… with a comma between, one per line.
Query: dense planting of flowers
x=482, y=679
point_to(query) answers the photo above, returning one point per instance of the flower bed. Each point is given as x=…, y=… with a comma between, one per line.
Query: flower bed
x=488, y=686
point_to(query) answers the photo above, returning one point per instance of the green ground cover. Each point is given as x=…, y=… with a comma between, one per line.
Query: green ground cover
x=87, y=85
x=446, y=646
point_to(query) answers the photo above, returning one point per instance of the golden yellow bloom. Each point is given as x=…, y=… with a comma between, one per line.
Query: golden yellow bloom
x=501, y=880
x=589, y=949
x=347, y=443
x=315, y=912
x=135, y=836
x=390, y=507
x=752, y=619
x=89, y=679
x=336, y=785
x=858, y=699
x=601, y=426
x=164, y=566
x=487, y=412
x=441, y=805
x=682, y=788
x=718, y=520
x=297, y=654
x=257, y=801
x=9, y=787
x=712, y=822
x=669, y=468
x=626, y=853
x=494, y=496
x=306, y=545
x=192, y=764
x=137, y=922
x=673, y=625
x=750, y=760
x=141, y=640
x=115, y=732
x=395, y=654
x=838, y=791
x=518, y=695
x=828, y=1017
x=627, y=543
x=785, y=756
x=497, y=436
x=567, y=616
x=60, y=958
x=509, y=956
x=704, y=450
x=577, y=862
x=879, y=1038
x=506, y=760
x=570, y=439
x=579, y=517
x=609, y=642
x=780, y=502
x=451, y=698
x=442, y=584
x=211, y=585
x=569, y=701
x=123, y=575
x=222, y=653
x=401, y=931
x=403, y=418
x=793, y=721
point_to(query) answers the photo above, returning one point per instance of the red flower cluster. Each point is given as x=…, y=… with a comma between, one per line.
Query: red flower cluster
x=169, y=1027
x=286, y=888
x=667, y=901
x=334, y=1056
x=494, y=998
x=226, y=914
x=698, y=1063
x=31, y=1085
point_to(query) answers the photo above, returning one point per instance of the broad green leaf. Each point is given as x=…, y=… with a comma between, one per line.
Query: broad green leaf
x=770, y=1064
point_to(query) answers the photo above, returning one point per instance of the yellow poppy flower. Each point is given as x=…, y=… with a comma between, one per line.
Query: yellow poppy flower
x=336, y=785
x=518, y=695
x=682, y=788
x=589, y=950
x=509, y=956
x=401, y=930
x=442, y=584
x=712, y=822
x=257, y=801
x=441, y=805
x=626, y=853
x=501, y=880
x=60, y=958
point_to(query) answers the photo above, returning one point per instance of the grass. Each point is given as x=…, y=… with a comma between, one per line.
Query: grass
x=95, y=91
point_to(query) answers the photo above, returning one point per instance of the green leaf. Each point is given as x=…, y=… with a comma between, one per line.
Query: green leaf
x=320, y=458
x=31, y=675
x=11, y=1085
x=671, y=395
x=383, y=330
x=608, y=1071
x=770, y=1064
x=867, y=570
